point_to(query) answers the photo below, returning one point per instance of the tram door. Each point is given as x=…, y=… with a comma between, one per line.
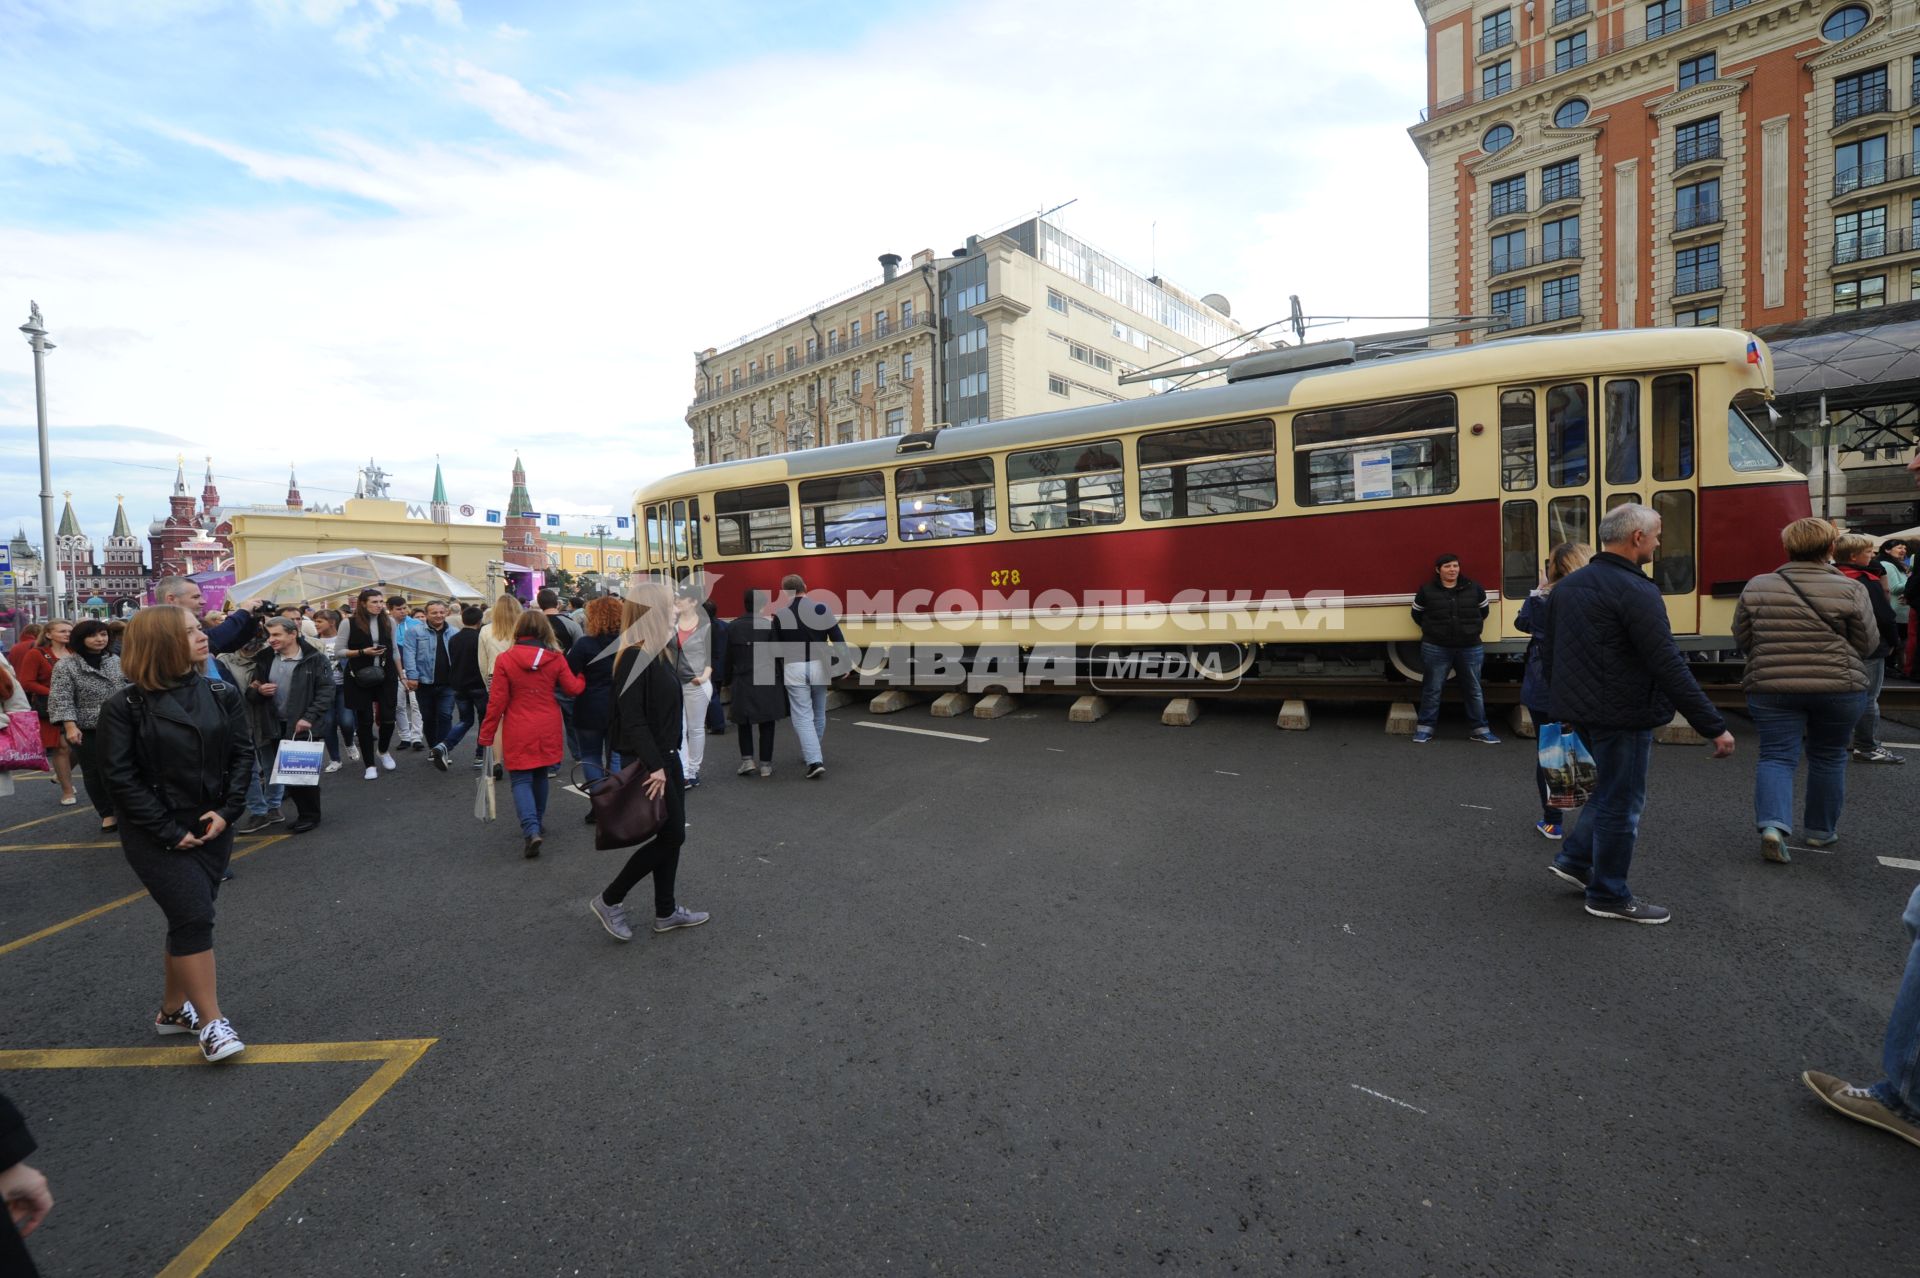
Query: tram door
x=1574, y=449
x=684, y=546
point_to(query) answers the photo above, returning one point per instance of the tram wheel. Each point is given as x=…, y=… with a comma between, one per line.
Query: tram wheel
x=1223, y=670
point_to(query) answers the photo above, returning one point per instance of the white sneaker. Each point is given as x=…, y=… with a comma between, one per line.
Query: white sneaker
x=218, y=1041
x=353, y=752
x=184, y=1021
x=333, y=765
x=372, y=773
x=386, y=761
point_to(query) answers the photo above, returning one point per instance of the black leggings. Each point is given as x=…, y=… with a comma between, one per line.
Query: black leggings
x=93, y=771
x=363, y=701
x=182, y=884
x=660, y=856
x=766, y=740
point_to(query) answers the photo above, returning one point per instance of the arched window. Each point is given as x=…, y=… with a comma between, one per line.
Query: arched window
x=1497, y=138
x=1572, y=112
x=1844, y=22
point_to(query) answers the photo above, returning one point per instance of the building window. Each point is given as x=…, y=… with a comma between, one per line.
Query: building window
x=1087, y=355
x=1376, y=452
x=1663, y=18
x=906, y=313
x=1496, y=31
x=896, y=420
x=1056, y=384
x=1212, y=470
x=1570, y=114
x=853, y=334
x=1509, y=195
x=833, y=341
x=1076, y=486
x=1560, y=240
x=1509, y=252
x=1695, y=141
x=1696, y=205
x=1057, y=300
x=1859, y=236
x=856, y=381
x=1860, y=94
x=1568, y=10
x=736, y=377
x=1699, y=70
x=1496, y=79
x=813, y=349
x=1696, y=270
x=1860, y=295
x=582, y=559
x=1570, y=51
x=1560, y=299
x=947, y=499
x=880, y=375
x=1728, y=6
x=1497, y=138
x=1858, y=164
x=1842, y=23
x=1560, y=182
x=843, y=433
x=906, y=367
x=1510, y=304
x=879, y=323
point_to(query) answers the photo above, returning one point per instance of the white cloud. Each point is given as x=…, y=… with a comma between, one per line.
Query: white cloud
x=551, y=287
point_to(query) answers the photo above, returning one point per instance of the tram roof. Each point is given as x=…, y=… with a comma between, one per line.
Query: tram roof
x=1519, y=358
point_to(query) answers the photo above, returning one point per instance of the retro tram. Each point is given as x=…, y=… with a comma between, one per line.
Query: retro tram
x=1311, y=470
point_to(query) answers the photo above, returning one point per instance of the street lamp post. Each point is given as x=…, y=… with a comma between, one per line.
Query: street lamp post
x=600, y=564
x=36, y=330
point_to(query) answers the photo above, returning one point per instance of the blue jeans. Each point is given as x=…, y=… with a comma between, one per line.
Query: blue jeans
x=436, y=712
x=1899, y=1091
x=597, y=757
x=1600, y=848
x=529, y=797
x=262, y=797
x=1866, y=730
x=807, y=703
x=472, y=710
x=1827, y=719
x=566, y=726
x=1465, y=663
x=338, y=726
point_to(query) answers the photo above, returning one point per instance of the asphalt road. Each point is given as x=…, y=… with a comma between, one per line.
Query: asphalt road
x=1071, y=999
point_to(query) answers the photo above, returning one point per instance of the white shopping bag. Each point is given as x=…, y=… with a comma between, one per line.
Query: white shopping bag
x=298, y=763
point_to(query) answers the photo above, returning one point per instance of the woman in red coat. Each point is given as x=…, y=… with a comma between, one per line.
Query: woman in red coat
x=35, y=669
x=526, y=679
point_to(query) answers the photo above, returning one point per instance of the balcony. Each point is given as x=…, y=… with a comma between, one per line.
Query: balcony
x=1851, y=104
x=1696, y=279
x=1569, y=60
x=1507, y=203
x=1553, y=191
x=1496, y=40
x=1695, y=150
x=1698, y=213
x=1568, y=10
x=1874, y=173
x=1538, y=255
x=831, y=351
x=1864, y=246
x=1560, y=311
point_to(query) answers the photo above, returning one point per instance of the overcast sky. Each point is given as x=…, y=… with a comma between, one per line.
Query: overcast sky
x=314, y=231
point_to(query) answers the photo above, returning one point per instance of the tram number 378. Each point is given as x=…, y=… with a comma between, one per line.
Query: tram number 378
x=1004, y=577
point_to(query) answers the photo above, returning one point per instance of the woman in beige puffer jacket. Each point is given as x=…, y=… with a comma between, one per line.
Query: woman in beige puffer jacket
x=1806, y=630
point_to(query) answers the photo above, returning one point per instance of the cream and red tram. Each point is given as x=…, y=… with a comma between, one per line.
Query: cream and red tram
x=1343, y=477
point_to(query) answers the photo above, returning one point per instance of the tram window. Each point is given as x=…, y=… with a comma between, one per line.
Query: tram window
x=846, y=510
x=1673, y=427
x=1519, y=459
x=656, y=542
x=948, y=499
x=753, y=521
x=680, y=530
x=1078, y=486
x=1673, y=562
x=693, y=524
x=1519, y=542
x=1403, y=448
x=1747, y=449
x=1212, y=470
x=1620, y=499
x=1623, y=431
x=1567, y=435
x=1569, y=519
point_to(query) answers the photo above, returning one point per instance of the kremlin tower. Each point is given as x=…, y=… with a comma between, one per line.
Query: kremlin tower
x=524, y=545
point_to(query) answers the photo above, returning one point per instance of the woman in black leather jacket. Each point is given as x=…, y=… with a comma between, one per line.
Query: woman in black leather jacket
x=179, y=756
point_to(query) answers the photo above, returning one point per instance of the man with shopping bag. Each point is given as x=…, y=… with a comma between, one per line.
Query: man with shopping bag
x=290, y=692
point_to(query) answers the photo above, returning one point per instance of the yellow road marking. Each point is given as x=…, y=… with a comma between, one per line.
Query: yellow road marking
x=74, y=811
x=54, y=847
x=98, y=910
x=399, y=1056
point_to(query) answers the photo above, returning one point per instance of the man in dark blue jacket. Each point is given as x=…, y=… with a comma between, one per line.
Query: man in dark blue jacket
x=236, y=632
x=1614, y=672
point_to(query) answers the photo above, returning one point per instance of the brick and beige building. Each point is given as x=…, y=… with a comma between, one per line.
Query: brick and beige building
x=1609, y=164
x=1027, y=320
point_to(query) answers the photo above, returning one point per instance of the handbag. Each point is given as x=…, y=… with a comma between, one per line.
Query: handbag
x=483, y=805
x=20, y=748
x=298, y=763
x=623, y=815
x=1569, y=765
x=373, y=674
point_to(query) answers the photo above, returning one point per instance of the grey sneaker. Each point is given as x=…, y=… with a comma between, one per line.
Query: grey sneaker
x=1484, y=736
x=1861, y=1105
x=1566, y=876
x=1634, y=911
x=1773, y=845
x=612, y=917
x=184, y=1021
x=253, y=823
x=745, y=769
x=1822, y=840
x=766, y=769
x=1879, y=754
x=681, y=917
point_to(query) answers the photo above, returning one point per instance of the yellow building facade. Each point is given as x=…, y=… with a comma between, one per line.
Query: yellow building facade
x=262, y=539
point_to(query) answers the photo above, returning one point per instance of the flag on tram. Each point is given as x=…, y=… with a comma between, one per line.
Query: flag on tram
x=1753, y=351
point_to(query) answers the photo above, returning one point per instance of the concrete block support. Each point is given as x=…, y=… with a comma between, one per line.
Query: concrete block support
x=1522, y=722
x=893, y=699
x=1402, y=719
x=1181, y=712
x=838, y=697
x=996, y=705
x=951, y=705
x=1678, y=733
x=1294, y=716
x=1090, y=710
